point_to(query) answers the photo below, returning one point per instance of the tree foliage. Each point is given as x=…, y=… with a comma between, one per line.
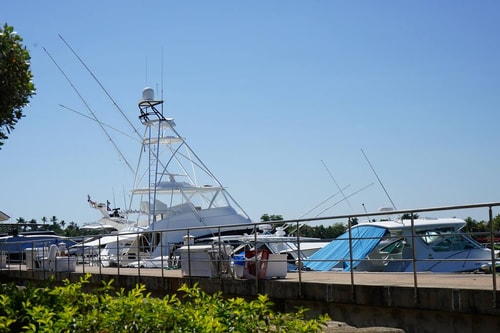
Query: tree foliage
x=273, y=217
x=320, y=231
x=16, y=86
x=60, y=227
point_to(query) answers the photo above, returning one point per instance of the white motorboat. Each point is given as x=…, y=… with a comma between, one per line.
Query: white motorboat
x=112, y=219
x=437, y=245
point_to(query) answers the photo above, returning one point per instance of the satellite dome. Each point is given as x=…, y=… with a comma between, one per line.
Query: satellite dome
x=148, y=94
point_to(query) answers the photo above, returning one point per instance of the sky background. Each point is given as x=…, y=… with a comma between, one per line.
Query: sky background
x=278, y=98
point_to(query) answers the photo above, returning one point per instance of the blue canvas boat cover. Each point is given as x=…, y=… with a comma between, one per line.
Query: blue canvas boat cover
x=364, y=240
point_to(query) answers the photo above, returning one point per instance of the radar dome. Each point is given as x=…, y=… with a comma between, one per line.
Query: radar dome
x=148, y=94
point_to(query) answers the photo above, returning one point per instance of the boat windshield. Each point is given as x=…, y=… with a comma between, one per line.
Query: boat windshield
x=447, y=239
x=394, y=247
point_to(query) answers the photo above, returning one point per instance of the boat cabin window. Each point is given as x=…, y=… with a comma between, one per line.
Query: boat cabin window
x=431, y=236
x=394, y=247
x=447, y=239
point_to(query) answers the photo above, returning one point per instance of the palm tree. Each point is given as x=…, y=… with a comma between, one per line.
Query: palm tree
x=470, y=225
x=407, y=216
x=33, y=225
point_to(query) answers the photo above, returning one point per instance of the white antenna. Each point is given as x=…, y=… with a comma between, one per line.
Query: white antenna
x=162, y=75
x=161, y=80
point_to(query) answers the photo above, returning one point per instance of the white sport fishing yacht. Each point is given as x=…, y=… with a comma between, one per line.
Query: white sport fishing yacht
x=173, y=190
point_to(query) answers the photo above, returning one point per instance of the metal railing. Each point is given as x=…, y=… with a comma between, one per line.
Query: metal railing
x=221, y=263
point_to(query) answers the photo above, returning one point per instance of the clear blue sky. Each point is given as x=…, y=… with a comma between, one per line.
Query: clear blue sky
x=264, y=91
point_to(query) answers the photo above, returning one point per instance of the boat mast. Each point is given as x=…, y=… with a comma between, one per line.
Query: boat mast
x=149, y=116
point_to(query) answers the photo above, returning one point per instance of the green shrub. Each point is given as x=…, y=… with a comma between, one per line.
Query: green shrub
x=68, y=308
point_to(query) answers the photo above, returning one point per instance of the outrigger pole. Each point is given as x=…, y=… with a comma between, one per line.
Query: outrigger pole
x=88, y=108
x=100, y=84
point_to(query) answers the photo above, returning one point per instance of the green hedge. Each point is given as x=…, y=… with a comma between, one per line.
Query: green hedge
x=68, y=308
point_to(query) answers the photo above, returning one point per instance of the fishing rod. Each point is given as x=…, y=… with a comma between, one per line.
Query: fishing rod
x=350, y=195
x=380, y=182
x=310, y=210
x=340, y=190
x=100, y=84
x=336, y=203
x=88, y=108
x=322, y=202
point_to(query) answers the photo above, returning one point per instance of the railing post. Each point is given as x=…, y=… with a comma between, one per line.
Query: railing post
x=414, y=259
x=83, y=257
x=118, y=259
x=493, y=262
x=139, y=240
x=299, y=260
x=32, y=259
x=189, y=259
x=99, y=261
x=257, y=268
x=20, y=259
x=219, y=258
x=353, y=292
x=161, y=255
x=45, y=244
